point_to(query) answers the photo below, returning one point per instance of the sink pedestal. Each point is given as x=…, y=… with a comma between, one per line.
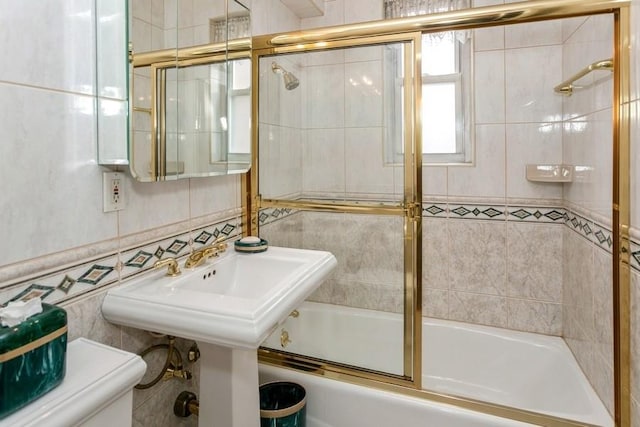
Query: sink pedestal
x=229, y=389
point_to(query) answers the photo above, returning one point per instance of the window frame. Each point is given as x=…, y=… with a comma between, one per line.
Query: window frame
x=233, y=95
x=463, y=82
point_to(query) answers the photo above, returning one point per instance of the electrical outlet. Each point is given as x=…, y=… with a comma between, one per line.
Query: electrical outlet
x=113, y=191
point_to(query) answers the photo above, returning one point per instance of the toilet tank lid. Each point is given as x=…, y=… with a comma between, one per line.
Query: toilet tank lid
x=96, y=376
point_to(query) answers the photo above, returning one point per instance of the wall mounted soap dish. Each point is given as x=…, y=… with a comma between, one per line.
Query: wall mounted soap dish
x=549, y=173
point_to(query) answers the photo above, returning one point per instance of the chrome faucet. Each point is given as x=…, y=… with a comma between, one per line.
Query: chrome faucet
x=201, y=255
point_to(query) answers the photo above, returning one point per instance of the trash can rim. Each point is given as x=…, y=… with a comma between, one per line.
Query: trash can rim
x=289, y=410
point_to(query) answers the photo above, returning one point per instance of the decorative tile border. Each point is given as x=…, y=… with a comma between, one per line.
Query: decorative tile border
x=602, y=237
x=63, y=284
x=75, y=280
x=634, y=259
x=536, y=214
x=579, y=224
x=269, y=215
x=471, y=211
x=599, y=234
x=435, y=210
x=141, y=258
x=494, y=212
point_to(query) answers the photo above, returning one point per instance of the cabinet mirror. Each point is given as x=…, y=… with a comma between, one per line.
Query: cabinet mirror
x=191, y=91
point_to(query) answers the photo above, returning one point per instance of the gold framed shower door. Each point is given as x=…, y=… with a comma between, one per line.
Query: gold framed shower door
x=409, y=208
x=409, y=30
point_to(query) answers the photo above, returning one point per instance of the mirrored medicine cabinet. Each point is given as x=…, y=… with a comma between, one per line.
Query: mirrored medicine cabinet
x=189, y=77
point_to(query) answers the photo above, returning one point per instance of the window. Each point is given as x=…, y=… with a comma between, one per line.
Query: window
x=446, y=99
x=227, y=107
x=239, y=109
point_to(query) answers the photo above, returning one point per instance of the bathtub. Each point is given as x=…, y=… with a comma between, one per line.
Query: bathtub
x=333, y=403
x=517, y=369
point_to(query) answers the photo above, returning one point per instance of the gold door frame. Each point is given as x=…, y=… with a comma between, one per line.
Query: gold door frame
x=393, y=30
x=409, y=208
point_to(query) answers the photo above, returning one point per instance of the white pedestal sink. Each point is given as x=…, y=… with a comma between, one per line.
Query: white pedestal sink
x=229, y=307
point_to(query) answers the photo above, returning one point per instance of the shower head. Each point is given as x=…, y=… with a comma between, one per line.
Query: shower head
x=290, y=81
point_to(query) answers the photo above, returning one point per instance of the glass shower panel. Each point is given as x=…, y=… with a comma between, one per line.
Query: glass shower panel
x=355, y=317
x=513, y=271
x=328, y=125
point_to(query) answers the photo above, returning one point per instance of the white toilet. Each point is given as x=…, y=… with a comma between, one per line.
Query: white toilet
x=97, y=390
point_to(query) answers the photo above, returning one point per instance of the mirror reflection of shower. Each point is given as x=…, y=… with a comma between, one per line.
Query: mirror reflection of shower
x=290, y=81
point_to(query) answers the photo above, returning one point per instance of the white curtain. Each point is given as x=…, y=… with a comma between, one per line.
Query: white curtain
x=405, y=8
x=235, y=27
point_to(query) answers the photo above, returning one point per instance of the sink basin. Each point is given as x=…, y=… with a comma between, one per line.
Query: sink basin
x=234, y=301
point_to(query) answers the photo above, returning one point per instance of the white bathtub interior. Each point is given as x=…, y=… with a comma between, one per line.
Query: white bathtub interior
x=516, y=369
x=332, y=403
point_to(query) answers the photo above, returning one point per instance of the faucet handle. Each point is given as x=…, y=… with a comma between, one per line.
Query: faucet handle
x=199, y=256
x=172, y=266
x=220, y=244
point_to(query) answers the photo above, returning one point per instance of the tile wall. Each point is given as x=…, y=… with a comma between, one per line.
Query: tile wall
x=587, y=271
x=53, y=218
x=331, y=142
x=54, y=230
x=371, y=278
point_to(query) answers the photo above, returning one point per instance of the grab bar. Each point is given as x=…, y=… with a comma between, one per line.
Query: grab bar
x=566, y=87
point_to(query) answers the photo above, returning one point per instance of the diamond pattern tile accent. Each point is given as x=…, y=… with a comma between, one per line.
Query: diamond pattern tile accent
x=554, y=215
x=139, y=259
x=159, y=252
x=227, y=229
x=269, y=215
x=595, y=232
x=491, y=212
x=76, y=279
x=203, y=237
x=66, y=284
x=434, y=210
x=461, y=211
x=521, y=213
x=535, y=214
x=95, y=274
x=636, y=256
x=33, y=291
x=176, y=246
